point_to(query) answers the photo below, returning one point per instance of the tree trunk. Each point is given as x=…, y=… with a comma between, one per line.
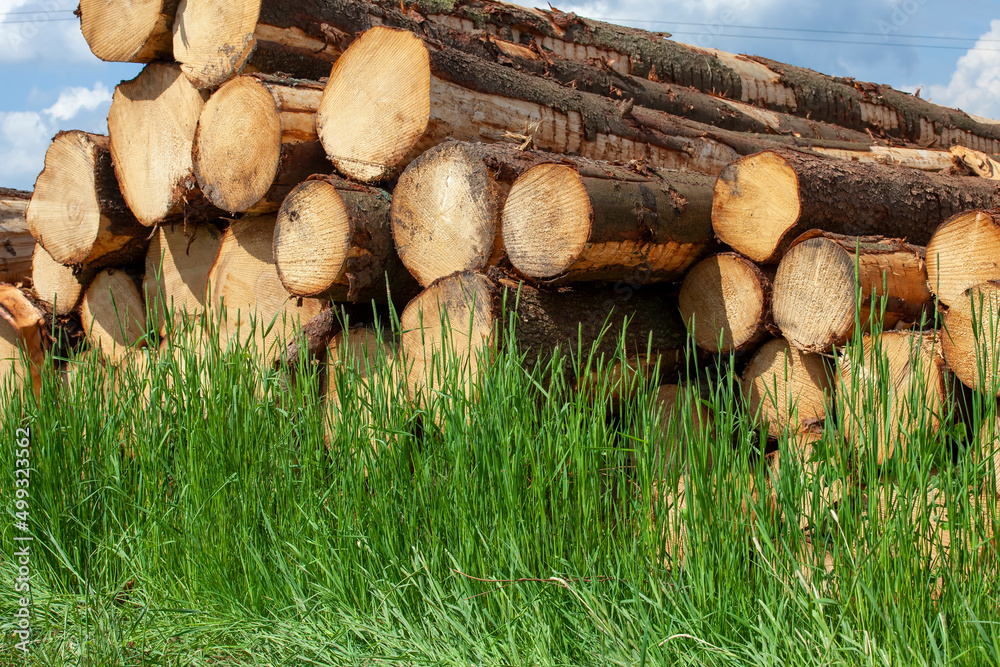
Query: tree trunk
x=787, y=390
x=16, y=242
x=726, y=302
x=23, y=338
x=257, y=140
x=473, y=305
x=333, y=240
x=243, y=284
x=152, y=125
x=177, y=267
x=763, y=202
x=317, y=333
x=590, y=221
x=128, y=32
x=77, y=212
x=817, y=285
x=963, y=253
x=58, y=287
x=114, y=314
x=970, y=340
x=923, y=159
x=893, y=391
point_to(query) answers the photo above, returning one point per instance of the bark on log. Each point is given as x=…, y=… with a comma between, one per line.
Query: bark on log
x=726, y=302
x=24, y=338
x=893, y=392
x=583, y=221
x=786, y=389
x=259, y=315
x=152, y=125
x=16, y=242
x=257, y=140
x=963, y=253
x=333, y=240
x=970, y=341
x=317, y=333
x=58, y=287
x=473, y=306
x=818, y=282
x=177, y=266
x=114, y=314
x=77, y=212
x=130, y=32
x=764, y=201
x=912, y=158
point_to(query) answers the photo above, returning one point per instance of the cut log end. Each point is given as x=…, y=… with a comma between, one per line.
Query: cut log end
x=152, y=125
x=177, y=266
x=756, y=206
x=962, y=254
x=238, y=144
x=128, y=31
x=546, y=220
x=212, y=39
x=56, y=285
x=22, y=338
x=312, y=238
x=815, y=295
x=726, y=302
x=113, y=313
x=970, y=341
x=376, y=105
x=787, y=389
x=445, y=213
x=453, y=319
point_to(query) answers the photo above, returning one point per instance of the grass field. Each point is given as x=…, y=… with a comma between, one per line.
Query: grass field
x=193, y=514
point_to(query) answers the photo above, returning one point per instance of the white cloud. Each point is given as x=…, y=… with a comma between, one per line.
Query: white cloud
x=40, y=30
x=73, y=100
x=975, y=84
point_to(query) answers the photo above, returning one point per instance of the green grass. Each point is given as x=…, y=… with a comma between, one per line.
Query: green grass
x=195, y=515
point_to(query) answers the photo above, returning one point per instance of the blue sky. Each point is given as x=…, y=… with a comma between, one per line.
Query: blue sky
x=52, y=82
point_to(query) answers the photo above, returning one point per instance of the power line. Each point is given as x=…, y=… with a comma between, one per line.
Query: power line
x=40, y=11
x=44, y=20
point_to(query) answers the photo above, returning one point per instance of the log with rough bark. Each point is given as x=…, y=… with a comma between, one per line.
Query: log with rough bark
x=256, y=140
x=891, y=391
x=77, y=212
x=970, y=340
x=764, y=201
x=473, y=304
x=16, y=242
x=152, y=125
x=58, y=286
x=133, y=32
x=820, y=280
x=964, y=253
x=24, y=338
x=333, y=240
x=726, y=302
x=114, y=314
x=177, y=265
x=786, y=389
x=243, y=284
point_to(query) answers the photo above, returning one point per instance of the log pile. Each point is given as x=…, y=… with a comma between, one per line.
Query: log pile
x=484, y=162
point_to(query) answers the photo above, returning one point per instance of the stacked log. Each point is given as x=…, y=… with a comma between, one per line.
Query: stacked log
x=16, y=242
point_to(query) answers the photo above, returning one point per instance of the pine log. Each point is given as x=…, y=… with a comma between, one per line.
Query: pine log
x=964, y=253
x=473, y=304
x=821, y=278
x=16, y=242
x=114, y=314
x=683, y=420
x=23, y=338
x=77, y=212
x=764, y=201
x=152, y=125
x=971, y=338
x=177, y=266
x=891, y=391
x=244, y=291
x=256, y=140
x=819, y=488
x=130, y=32
x=976, y=163
x=988, y=454
x=359, y=360
x=58, y=287
x=787, y=390
x=333, y=240
x=924, y=159
x=726, y=302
